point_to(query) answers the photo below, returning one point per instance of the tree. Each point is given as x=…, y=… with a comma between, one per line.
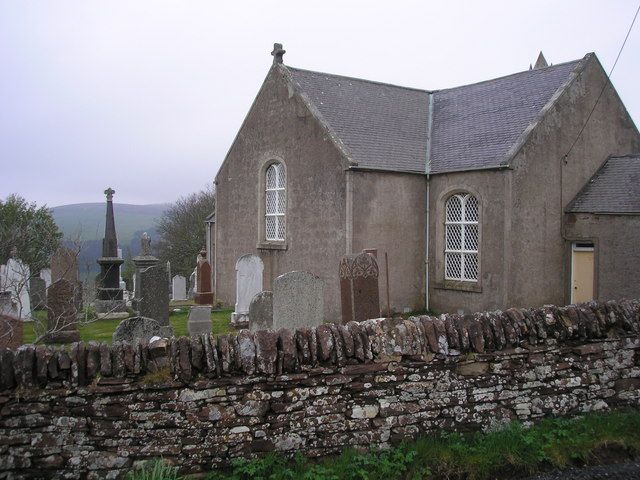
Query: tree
x=29, y=228
x=183, y=232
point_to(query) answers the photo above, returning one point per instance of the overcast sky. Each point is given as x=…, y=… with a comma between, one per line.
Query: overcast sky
x=147, y=96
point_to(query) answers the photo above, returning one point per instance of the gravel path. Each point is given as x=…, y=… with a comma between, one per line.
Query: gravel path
x=621, y=471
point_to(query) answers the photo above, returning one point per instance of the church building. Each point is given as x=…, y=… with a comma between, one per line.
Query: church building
x=517, y=191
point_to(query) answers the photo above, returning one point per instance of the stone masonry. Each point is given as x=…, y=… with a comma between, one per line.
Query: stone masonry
x=93, y=411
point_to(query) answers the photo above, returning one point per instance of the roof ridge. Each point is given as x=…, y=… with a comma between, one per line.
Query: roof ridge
x=346, y=77
x=514, y=74
x=393, y=85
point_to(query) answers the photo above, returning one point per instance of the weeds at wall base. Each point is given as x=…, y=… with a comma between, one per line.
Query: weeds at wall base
x=513, y=452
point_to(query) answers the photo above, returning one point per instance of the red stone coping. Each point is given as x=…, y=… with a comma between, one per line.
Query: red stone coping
x=353, y=345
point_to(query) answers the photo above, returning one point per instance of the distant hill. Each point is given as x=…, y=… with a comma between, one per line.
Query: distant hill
x=84, y=222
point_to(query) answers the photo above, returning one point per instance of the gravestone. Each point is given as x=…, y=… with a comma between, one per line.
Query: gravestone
x=38, y=293
x=298, y=300
x=178, y=288
x=359, y=291
x=192, y=283
x=204, y=292
x=64, y=264
x=154, y=295
x=137, y=328
x=199, y=320
x=61, y=313
x=261, y=312
x=14, y=278
x=11, y=332
x=7, y=306
x=45, y=274
x=249, y=269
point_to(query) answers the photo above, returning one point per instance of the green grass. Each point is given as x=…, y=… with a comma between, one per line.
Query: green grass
x=513, y=452
x=102, y=330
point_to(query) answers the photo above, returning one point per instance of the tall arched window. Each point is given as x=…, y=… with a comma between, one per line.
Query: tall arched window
x=461, y=238
x=276, y=202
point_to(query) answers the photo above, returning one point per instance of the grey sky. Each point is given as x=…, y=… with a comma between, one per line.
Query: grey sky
x=147, y=96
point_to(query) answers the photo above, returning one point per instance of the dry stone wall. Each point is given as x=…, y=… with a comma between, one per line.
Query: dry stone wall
x=97, y=410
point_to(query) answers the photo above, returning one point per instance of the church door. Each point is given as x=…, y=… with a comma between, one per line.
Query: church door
x=582, y=272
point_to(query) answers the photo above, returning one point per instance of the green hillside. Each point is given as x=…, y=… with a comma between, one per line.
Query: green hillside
x=85, y=221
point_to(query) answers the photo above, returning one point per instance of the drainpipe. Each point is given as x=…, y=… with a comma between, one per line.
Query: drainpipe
x=426, y=229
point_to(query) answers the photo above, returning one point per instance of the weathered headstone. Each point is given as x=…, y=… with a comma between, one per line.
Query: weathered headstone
x=359, y=292
x=11, y=332
x=137, y=328
x=64, y=264
x=192, y=283
x=204, y=292
x=62, y=324
x=14, y=278
x=298, y=300
x=179, y=288
x=199, y=320
x=154, y=294
x=7, y=306
x=45, y=274
x=142, y=261
x=38, y=293
x=249, y=270
x=261, y=312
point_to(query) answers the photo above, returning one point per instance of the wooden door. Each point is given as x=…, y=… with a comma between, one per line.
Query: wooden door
x=582, y=272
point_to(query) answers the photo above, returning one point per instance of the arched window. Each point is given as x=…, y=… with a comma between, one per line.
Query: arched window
x=276, y=202
x=461, y=238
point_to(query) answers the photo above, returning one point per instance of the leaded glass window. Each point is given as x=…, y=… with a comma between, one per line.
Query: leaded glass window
x=461, y=241
x=275, y=202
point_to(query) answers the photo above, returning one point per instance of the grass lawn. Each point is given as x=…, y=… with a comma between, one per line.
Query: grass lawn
x=102, y=330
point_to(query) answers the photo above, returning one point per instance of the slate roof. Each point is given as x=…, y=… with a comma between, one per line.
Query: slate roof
x=473, y=127
x=613, y=189
x=382, y=126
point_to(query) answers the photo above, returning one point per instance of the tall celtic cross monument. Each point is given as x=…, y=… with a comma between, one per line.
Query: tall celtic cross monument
x=109, y=302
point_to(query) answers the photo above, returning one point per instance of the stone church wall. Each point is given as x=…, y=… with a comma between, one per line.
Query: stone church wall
x=97, y=410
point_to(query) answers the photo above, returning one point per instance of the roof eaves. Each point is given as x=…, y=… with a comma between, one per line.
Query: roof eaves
x=471, y=169
x=335, y=139
x=524, y=137
x=384, y=170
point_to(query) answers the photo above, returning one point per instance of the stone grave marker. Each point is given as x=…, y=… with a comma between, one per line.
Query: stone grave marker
x=64, y=264
x=45, y=274
x=359, y=292
x=204, y=290
x=179, y=288
x=38, y=293
x=249, y=270
x=298, y=300
x=7, y=306
x=192, y=283
x=11, y=332
x=137, y=328
x=61, y=313
x=199, y=320
x=154, y=294
x=14, y=278
x=261, y=312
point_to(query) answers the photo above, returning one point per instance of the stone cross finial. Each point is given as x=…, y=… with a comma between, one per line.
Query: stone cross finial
x=277, y=53
x=109, y=193
x=145, y=244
